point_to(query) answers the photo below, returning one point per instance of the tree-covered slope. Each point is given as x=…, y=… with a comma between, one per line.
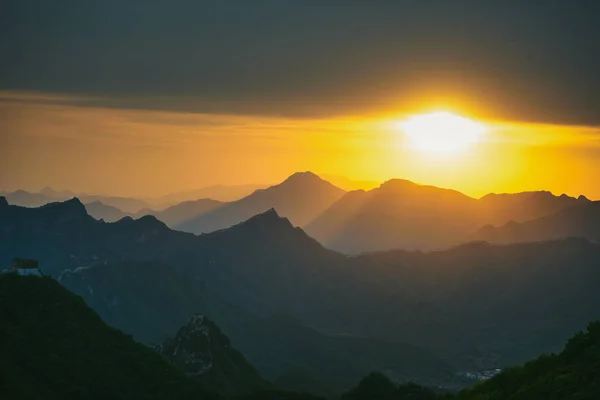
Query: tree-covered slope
x=377, y=386
x=572, y=374
x=205, y=354
x=54, y=346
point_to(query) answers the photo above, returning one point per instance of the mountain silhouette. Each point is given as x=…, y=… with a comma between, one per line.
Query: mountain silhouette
x=397, y=214
x=187, y=210
x=28, y=199
x=222, y=193
x=68, y=237
x=99, y=210
x=57, y=194
x=576, y=221
x=300, y=198
x=402, y=214
x=49, y=195
x=171, y=216
x=524, y=206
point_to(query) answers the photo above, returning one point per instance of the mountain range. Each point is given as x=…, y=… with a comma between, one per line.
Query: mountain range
x=300, y=198
x=48, y=195
x=577, y=221
x=171, y=216
x=402, y=214
x=475, y=306
x=397, y=214
x=224, y=193
x=130, y=206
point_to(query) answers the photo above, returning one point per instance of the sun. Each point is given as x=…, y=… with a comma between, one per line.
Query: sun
x=441, y=132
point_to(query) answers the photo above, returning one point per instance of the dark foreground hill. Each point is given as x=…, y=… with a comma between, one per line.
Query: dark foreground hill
x=570, y=375
x=53, y=346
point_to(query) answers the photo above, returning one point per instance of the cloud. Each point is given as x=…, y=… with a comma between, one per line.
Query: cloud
x=511, y=59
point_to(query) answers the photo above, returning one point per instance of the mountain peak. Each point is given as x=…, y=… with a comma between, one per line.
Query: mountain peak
x=70, y=208
x=48, y=191
x=201, y=350
x=308, y=180
x=267, y=221
x=303, y=174
x=152, y=221
x=302, y=178
x=398, y=182
x=397, y=185
x=267, y=218
x=269, y=215
x=191, y=347
x=3, y=201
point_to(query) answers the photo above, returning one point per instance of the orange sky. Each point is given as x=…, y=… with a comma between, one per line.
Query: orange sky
x=48, y=140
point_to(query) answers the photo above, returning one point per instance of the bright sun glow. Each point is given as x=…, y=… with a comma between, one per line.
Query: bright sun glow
x=441, y=132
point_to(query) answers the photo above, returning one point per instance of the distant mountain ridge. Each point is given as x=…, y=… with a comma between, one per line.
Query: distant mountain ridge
x=131, y=205
x=525, y=206
x=223, y=193
x=68, y=237
x=577, y=221
x=300, y=198
x=397, y=214
x=171, y=216
x=48, y=195
x=403, y=214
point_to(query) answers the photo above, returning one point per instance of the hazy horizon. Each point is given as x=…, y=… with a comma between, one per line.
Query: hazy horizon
x=340, y=181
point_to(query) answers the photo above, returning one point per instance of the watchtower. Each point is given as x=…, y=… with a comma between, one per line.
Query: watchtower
x=26, y=267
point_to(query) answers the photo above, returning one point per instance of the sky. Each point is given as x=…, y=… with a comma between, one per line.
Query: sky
x=143, y=98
